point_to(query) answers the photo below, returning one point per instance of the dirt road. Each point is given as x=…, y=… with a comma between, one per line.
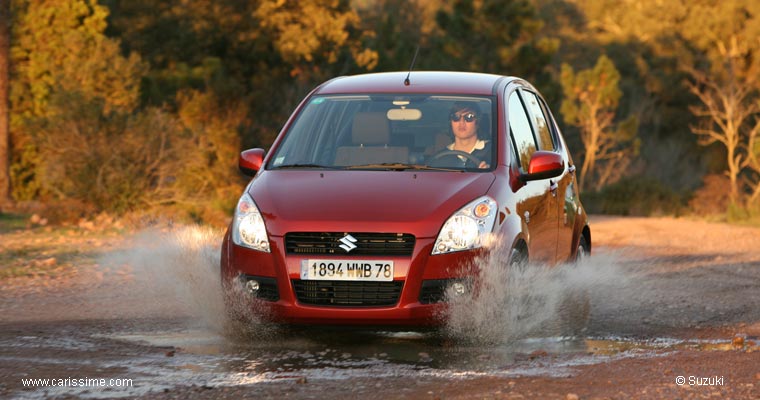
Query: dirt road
x=675, y=314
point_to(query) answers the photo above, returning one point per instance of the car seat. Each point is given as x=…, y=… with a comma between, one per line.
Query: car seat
x=370, y=134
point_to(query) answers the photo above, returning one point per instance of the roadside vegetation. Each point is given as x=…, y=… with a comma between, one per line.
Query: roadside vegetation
x=138, y=109
x=31, y=247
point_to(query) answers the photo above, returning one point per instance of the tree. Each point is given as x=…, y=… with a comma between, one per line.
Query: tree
x=5, y=155
x=494, y=36
x=60, y=45
x=725, y=81
x=754, y=161
x=725, y=111
x=395, y=28
x=60, y=51
x=309, y=33
x=271, y=52
x=590, y=102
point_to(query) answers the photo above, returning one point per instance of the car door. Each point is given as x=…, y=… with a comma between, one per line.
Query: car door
x=570, y=209
x=536, y=202
x=564, y=194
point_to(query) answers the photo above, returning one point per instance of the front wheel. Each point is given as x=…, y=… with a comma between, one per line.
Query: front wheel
x=583, y=251
x=518, y=259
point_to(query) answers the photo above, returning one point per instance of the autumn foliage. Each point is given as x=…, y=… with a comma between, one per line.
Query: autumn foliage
x=139, y=106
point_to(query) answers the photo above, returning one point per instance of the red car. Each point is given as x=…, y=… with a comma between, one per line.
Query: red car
x=380, y=192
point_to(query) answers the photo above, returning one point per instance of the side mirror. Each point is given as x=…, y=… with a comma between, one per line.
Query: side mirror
x=544, y=165
x=250, y=161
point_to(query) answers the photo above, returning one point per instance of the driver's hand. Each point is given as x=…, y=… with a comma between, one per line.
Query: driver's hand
x=483, y=165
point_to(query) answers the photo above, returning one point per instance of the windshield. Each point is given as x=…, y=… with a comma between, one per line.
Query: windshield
x=376, y=132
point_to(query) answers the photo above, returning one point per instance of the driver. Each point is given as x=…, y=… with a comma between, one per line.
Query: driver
x=464, y=126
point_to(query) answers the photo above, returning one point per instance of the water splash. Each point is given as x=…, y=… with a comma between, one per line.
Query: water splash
x=507, y=303
x=180, y=268
x=177, y=272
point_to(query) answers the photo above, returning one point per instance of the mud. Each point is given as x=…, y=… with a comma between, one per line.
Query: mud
x=668, y=300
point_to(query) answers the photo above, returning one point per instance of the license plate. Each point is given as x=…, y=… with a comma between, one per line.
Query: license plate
x=343, y=270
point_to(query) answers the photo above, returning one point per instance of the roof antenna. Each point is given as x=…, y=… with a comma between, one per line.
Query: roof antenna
x=407, y=82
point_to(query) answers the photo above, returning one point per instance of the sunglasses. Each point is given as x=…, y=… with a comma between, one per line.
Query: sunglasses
x=468, y=117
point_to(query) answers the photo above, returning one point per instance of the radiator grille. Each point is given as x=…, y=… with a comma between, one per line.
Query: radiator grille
x=347, y=293
x=367, y=244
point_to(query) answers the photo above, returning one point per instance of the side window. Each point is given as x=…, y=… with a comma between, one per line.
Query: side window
x=522, y=133
x=539, y=120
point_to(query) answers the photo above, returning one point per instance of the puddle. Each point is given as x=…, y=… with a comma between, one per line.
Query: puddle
x=618, y=346
x=195, y=342
x=393, y=354
x=202, y=357
x=63, y=343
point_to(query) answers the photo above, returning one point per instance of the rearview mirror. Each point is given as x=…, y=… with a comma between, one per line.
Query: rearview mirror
x=250, y=161
x=404, y=114
x=544, y=165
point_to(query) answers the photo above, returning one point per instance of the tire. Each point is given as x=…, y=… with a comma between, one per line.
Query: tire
x=583, y=251
x=518, y=259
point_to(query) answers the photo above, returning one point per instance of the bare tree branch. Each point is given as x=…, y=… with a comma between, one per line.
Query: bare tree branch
x=727, y=104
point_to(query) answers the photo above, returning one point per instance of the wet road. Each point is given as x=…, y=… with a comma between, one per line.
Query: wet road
x=160, y=356
x=147, y=321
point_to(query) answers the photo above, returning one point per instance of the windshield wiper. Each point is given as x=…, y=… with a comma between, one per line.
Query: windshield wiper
x=400, y=167
x=286, y=166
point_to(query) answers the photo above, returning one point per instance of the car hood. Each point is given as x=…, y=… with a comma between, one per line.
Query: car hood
x=364, y=201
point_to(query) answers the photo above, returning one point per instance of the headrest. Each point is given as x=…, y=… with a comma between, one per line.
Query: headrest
x=370, y=128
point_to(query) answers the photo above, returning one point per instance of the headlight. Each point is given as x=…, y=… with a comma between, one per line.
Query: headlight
x=248, y=227
x=468, y=228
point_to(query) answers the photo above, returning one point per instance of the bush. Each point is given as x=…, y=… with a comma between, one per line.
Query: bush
x=110, y=161
x=640, y=196
x=749, y=214
x=181, y=165
x=713, y=197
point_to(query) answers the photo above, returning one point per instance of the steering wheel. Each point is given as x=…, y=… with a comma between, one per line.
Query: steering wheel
x=464, y=154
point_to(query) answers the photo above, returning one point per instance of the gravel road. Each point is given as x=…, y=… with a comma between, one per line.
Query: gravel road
x=675, y=313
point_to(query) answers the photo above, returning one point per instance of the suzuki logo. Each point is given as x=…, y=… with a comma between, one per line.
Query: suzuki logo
x=348, y=243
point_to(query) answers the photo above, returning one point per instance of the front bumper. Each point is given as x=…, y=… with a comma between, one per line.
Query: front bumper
x=414, y=297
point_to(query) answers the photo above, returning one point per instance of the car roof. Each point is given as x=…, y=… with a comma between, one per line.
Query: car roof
x=420, y=82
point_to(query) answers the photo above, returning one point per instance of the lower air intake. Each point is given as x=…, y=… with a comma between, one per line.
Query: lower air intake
x=347, y=293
